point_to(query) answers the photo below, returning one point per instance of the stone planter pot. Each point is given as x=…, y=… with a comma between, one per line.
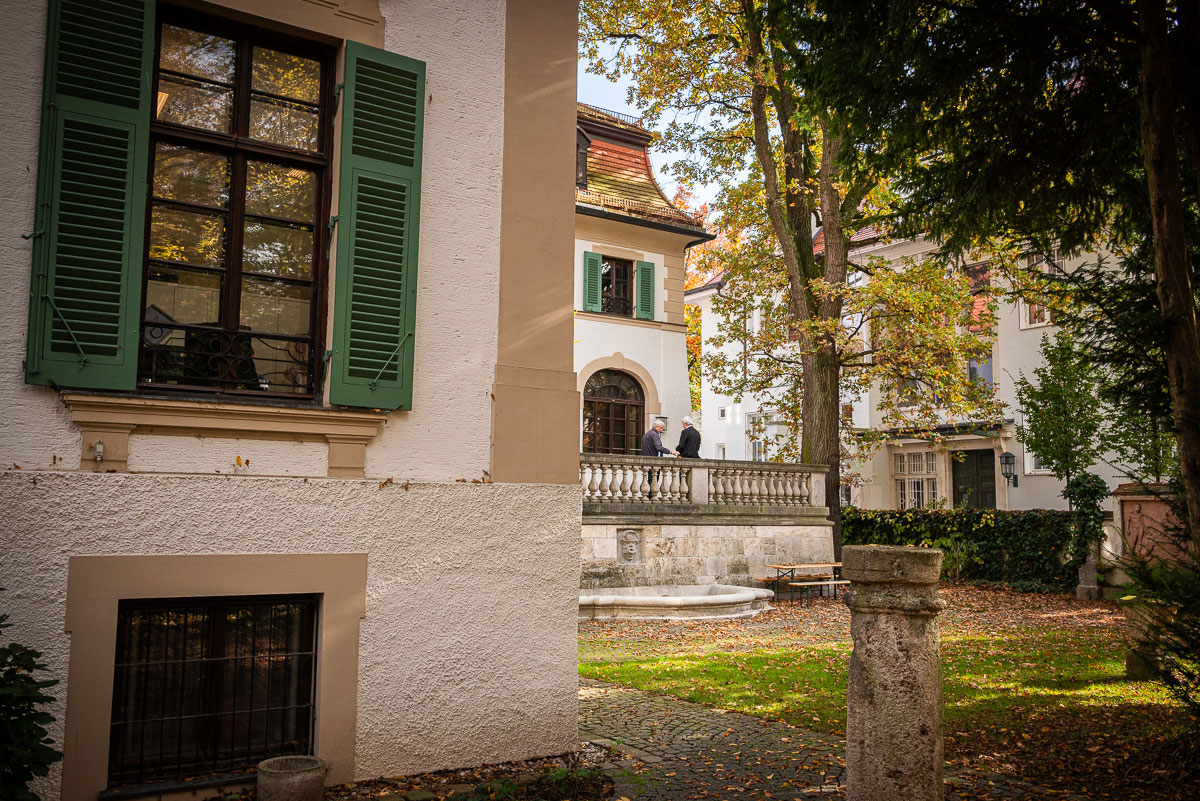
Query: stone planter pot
x=291, y=778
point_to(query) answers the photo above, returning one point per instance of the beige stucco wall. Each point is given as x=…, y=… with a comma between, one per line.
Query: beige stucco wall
x=467, y=650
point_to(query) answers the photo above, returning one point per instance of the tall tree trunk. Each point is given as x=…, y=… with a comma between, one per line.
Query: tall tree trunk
x=821, y=422
x=1172, y=268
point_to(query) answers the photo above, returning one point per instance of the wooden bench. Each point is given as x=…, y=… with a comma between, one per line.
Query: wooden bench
x=777, y=582
x=825, y=582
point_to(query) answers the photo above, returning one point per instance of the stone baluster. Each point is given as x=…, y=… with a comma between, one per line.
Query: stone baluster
x=673, y=487
x=805, y=489
x=685, y=488
x=626, y=478
x=655, y=483
x=605, y=479
x=773, y=488
x=739, y=486
x=643, y=483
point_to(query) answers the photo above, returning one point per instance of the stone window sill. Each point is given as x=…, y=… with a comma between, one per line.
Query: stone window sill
x=111, y=419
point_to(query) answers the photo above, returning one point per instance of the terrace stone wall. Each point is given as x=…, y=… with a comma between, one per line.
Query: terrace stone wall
x=636, y=554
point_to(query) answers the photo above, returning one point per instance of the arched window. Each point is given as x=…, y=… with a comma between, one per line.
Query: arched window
x=613, y=410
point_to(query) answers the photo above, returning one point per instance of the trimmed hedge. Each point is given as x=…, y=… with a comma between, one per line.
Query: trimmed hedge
x=1032, y=549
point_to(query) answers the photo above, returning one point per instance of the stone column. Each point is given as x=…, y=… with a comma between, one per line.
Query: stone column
x=894, y=708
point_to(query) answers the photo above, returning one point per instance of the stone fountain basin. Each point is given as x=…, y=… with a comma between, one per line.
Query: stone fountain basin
x=673, y=602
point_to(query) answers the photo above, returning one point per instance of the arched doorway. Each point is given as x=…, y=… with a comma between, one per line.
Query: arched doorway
x=613, y=410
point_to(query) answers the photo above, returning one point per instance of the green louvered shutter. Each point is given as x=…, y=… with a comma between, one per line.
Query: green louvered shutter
x=88, y=241
x=379, y=212
x=645, y=290
x=591, y=282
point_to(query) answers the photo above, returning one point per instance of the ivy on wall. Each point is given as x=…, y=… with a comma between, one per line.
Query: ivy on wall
x=1031, y=549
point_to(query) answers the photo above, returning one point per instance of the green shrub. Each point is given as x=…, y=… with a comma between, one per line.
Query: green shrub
x=1031, y=549
x=26, y=750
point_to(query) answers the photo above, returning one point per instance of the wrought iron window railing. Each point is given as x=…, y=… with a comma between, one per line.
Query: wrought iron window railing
x=201, y=357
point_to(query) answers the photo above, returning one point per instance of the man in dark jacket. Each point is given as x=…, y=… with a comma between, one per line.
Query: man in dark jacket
x=689, y=441
x=652, y=441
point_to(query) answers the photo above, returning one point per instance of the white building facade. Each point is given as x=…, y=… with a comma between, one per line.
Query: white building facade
x=628, y=269
x=909, y=472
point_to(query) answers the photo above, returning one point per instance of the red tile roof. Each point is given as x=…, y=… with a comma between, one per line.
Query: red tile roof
x=619, y=175
x=863, y=235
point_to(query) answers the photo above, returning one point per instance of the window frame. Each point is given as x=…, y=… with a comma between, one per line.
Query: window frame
x=757, y=449
x=1031, y=468
x=608, y=297
x=1025, y=309
x=213, y=701
x=634, y=419
x=240, y=149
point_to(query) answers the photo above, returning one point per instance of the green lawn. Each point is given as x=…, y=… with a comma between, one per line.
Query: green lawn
x=1028, y=680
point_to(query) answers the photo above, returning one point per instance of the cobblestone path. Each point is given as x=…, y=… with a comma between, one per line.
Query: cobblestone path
x=672, y=749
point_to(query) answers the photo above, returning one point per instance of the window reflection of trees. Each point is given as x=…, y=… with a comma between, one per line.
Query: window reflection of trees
x=231, y=255
x=613, y=408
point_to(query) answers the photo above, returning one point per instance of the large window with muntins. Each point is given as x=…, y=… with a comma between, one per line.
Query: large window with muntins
x=613, y=410
x=233, y=280
x=210, y=685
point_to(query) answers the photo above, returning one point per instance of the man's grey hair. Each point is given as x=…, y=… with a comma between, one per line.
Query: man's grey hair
x=687, y=421
x=659, y=422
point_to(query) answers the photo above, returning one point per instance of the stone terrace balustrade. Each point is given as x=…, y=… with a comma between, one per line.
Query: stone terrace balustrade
x=647, y=487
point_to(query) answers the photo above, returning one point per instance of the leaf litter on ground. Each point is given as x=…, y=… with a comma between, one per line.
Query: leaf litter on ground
x=1034, y=685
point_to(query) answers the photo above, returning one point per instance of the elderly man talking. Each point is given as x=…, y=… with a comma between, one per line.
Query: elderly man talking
x=689, y=441
x=652, y=441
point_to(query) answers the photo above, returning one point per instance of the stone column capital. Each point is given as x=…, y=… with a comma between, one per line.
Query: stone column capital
x=891, y=564
x=890, y=579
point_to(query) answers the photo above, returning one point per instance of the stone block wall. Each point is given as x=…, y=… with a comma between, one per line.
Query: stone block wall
x=639, y=555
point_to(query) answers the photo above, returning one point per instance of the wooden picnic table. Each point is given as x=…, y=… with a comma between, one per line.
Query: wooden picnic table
x=787, y=572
